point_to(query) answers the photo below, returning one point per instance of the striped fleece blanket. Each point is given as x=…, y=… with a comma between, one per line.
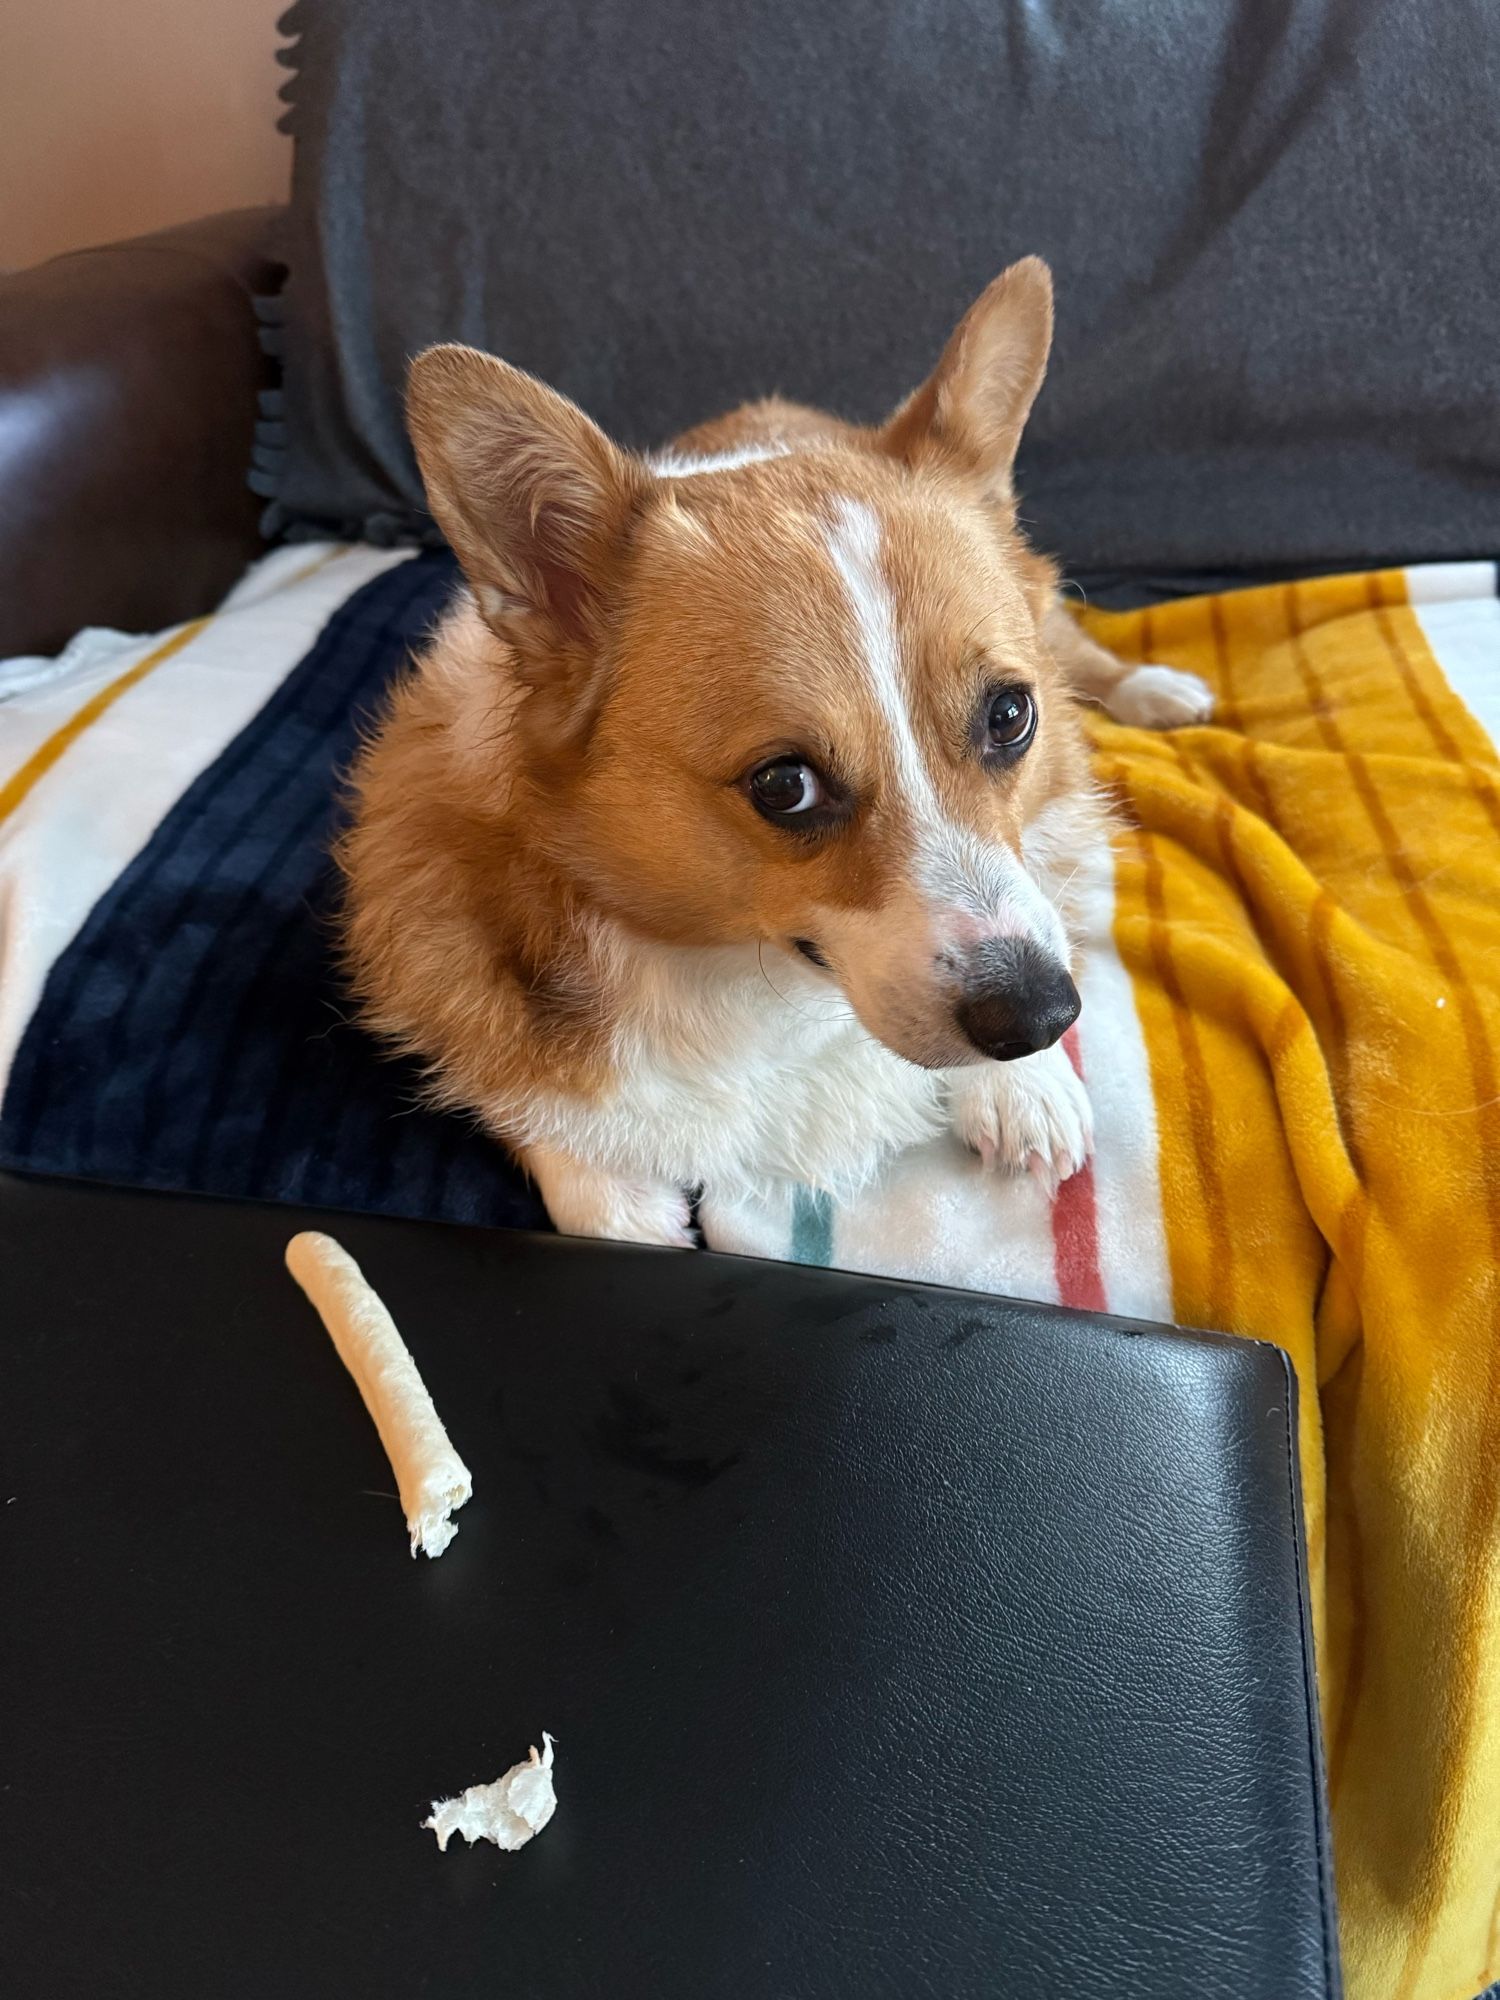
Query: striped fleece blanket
x=1291, y=1032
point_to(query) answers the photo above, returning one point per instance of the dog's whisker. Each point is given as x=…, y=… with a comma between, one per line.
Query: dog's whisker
x=845, y=1013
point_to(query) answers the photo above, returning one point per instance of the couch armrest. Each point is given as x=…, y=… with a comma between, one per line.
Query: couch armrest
x=128, y=379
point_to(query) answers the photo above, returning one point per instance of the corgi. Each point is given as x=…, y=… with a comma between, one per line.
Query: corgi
x=723, y=831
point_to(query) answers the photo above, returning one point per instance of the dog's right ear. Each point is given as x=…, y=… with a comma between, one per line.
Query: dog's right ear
x=534, y=500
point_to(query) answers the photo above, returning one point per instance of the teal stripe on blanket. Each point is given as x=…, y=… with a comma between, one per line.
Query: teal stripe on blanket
x=812, y=1227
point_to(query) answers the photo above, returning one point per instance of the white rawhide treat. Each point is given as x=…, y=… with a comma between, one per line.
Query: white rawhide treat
x=507, y=1812
x=431, y=1477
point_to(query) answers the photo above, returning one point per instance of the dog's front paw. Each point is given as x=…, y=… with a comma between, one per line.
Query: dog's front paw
x=585, y=1201
x=1030, y=1116
x=1160, y=698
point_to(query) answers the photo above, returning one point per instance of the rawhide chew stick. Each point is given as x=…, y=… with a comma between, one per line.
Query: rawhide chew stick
x=431, y=1477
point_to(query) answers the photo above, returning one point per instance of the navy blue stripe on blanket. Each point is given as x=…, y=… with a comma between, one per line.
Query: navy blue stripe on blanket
x=194, y=1035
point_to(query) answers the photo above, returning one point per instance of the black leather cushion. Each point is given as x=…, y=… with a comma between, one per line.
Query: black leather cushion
x=1272, y=226
x=895, y=1642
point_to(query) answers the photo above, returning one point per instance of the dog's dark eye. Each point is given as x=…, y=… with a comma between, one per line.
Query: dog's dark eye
x=1010, y=721
x=786, y=787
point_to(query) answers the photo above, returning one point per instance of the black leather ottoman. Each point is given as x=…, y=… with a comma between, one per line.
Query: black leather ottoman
x=895, y=1642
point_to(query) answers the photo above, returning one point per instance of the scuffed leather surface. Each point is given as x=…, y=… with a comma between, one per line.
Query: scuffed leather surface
x=895, y=1642
x=128, y=380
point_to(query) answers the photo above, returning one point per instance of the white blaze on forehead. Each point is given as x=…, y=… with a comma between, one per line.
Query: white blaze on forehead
x=959, y=874
x=854, y=543
x=687, y=464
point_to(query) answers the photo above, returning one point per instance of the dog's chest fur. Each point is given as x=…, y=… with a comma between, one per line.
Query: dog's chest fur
x=730, y=1070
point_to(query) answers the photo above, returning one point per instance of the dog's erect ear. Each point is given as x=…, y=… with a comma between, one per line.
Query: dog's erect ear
x=971, y=410
x=534, y=499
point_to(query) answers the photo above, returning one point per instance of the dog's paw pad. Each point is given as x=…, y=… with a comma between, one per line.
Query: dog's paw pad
x=1160, y=698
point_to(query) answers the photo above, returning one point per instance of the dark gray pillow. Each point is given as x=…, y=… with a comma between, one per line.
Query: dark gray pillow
x=1273, y=224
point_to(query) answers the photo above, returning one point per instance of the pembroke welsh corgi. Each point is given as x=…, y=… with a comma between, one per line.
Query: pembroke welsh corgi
x=723, y=832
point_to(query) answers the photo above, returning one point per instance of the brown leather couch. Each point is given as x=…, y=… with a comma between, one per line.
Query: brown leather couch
x=128, y=381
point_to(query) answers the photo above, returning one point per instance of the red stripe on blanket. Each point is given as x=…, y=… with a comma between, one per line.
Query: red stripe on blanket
x=1075, y=1227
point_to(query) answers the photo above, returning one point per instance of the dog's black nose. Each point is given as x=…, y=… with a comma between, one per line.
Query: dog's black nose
x=1019, y=1000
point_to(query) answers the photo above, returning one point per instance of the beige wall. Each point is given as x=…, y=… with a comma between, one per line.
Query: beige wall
x=118, y=116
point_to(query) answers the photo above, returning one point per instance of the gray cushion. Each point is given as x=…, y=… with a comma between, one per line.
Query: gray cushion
x=1273, y=228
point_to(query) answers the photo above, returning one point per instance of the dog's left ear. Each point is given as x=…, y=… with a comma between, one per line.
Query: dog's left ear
x=970, y=412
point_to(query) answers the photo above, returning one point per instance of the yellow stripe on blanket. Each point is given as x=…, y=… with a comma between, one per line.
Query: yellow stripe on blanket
x=1309, y=908
x=17, y=787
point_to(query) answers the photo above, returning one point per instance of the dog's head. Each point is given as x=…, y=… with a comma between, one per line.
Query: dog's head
x=795, y=698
